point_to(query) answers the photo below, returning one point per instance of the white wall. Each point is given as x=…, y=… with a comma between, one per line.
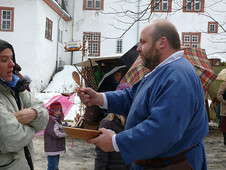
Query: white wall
x=34, y=53
x=24, y=30
x=198, y=22
x=96, y=21
x=37, y=55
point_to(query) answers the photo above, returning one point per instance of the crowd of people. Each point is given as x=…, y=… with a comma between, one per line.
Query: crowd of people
x=159, y=123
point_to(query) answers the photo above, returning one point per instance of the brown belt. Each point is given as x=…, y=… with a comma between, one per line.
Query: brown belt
x=158, y=162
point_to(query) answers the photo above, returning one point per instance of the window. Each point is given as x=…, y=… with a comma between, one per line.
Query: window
x=97, y=4
x=60, y=35
x=93, y=4
x=193, y=5
x=59, y=2
x=66, y=2
x=161, y=5
x=212, y=27
x=6, y=18
x=119, y=46
x=93, y=39
x=48, y=30
x=89, y=4
x=191, y=39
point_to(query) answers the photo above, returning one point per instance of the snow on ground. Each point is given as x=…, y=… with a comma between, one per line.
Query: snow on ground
x=62, y=82
x=223, y=59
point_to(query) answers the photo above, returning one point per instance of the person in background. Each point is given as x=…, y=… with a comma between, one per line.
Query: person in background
x=116, y=123
x=166, y=119
x=21, y=115
x=222, y=100
x=111, y=82
x=117, y=76
x=28, y=81
x=54, y=136
x=218, y=110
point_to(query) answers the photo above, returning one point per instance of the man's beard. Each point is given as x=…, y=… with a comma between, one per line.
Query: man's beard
x=152, y=59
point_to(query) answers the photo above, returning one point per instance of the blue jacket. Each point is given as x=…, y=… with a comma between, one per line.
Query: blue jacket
x=166, y=115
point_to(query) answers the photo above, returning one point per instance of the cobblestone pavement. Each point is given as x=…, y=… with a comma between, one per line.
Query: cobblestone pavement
x=215, y=149
x=82, y=155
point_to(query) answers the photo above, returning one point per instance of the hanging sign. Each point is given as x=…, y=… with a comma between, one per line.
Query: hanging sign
x=72, y=46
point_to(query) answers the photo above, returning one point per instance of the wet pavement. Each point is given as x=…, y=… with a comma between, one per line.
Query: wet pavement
x=82, y=155
x=215, y=149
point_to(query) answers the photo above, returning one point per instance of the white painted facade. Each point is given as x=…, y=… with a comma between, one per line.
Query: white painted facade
x=34, y=53
x=97, y=21
x=38, y=56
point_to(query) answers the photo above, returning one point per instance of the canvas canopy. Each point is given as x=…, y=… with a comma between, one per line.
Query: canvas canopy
x=93, y=60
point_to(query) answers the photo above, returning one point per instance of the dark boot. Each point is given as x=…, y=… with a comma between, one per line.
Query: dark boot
x=224, y=134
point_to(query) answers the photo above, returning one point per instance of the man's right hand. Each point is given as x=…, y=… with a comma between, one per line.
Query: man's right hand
x=90, y=97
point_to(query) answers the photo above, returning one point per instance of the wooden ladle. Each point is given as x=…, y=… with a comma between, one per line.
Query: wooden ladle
x=76, y=78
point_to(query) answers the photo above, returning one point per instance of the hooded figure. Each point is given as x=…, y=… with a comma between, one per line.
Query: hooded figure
x=22, y=115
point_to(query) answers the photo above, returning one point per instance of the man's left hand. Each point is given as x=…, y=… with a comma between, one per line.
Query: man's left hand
x=104, y=141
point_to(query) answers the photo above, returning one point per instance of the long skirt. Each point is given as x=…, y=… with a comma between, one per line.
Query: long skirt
x=223, y=124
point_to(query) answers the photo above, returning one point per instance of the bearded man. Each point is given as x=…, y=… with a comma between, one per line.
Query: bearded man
x=166, y=115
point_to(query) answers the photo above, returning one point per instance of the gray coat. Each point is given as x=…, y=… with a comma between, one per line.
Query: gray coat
x=220, y=93
x=14, y=136
x=54, y=137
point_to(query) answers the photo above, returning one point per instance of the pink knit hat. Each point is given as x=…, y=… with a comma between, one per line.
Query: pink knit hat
x=54, y=107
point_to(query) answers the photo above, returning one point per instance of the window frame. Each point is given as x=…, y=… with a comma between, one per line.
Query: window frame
x=49, y=31
x=188, y=42
x=93, y=43
x=94, y=2
x=216, y=27
x=161, y=5
x=193, y=5
x=119, y=46
x=11, y=19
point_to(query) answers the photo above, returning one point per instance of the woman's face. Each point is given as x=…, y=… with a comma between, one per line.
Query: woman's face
x=6, y=64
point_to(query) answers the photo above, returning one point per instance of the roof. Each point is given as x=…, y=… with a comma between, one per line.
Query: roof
x=93, y=60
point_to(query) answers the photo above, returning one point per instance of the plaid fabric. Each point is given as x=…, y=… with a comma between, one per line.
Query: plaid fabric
x=135, y=73
x=199, y=60
x=196, y=56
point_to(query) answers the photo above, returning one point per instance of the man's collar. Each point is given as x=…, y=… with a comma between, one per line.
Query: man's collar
x=173, y=57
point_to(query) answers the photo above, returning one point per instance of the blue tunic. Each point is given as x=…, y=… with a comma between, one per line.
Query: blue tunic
x=166, y=115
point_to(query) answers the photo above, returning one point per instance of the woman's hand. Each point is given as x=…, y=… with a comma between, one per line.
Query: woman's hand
x=24, y=116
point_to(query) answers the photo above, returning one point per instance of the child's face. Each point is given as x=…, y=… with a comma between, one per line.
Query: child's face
x=117, y=76
x=57, y=113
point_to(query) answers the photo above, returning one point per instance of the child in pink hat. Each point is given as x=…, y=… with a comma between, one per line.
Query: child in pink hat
x=54, y=136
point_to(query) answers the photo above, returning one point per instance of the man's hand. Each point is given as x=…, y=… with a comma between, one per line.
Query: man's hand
x=90, y=97
x=104, y=141
x=26, y=115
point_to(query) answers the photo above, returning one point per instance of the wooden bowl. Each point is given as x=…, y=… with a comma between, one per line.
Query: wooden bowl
x=81, y=133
